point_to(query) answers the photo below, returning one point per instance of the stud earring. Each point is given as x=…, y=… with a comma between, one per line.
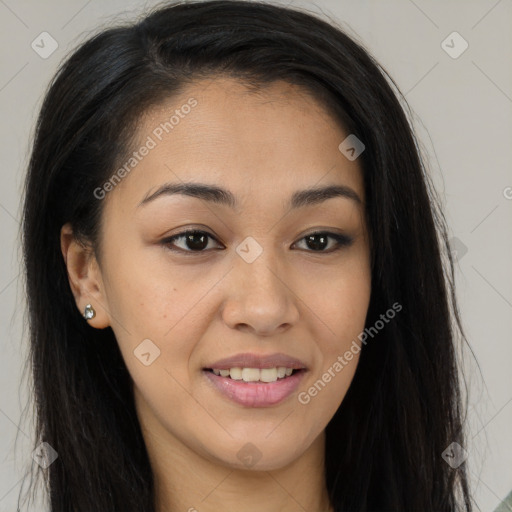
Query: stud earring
x=89, y=312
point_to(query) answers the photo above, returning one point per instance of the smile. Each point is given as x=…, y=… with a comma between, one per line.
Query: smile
x=254, y=387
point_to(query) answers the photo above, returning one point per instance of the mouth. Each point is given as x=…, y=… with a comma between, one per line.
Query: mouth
x=255, y=387
x=255, y=380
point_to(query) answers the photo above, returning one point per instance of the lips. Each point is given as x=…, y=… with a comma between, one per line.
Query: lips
x=255, y=394
x=249, y=360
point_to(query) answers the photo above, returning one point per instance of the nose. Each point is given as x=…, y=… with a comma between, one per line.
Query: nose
x=260, y=298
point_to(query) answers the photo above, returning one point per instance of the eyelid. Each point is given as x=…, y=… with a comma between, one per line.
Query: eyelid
x=167, y=240
x=342, y=240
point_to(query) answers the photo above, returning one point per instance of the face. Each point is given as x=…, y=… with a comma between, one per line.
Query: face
x=266, y=272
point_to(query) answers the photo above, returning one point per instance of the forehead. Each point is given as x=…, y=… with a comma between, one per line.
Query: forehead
x=260, y=143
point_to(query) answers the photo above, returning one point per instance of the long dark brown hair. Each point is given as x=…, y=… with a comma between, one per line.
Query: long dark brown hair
x=384, y=445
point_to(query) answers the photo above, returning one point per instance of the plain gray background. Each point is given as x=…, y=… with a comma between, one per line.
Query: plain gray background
x=462, y=114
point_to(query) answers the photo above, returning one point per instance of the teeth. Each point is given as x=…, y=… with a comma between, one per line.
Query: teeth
x=255, y=374
x=235, y=373
x=250, y=374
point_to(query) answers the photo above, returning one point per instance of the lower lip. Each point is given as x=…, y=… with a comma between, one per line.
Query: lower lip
x=256, y=394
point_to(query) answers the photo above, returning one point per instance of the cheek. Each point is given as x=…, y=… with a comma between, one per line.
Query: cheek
x=344, y=314
x=341, y=304
x=322, y=395
x=148, y=296
x=157, y=313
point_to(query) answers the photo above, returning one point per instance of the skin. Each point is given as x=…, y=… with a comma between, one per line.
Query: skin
x=201, y=307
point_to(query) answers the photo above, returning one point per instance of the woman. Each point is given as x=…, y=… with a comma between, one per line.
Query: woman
x=235, y=275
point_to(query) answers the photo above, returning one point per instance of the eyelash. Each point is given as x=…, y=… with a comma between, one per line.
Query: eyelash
x=342, y=241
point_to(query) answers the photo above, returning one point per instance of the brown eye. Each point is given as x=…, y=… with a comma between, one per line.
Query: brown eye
x=317, y=242
x=189, y=241
x=197, y=241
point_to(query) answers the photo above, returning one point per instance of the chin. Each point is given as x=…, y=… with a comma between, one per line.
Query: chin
x=258, y=455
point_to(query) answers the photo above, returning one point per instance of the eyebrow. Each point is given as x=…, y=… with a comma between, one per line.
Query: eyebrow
x=219, y=195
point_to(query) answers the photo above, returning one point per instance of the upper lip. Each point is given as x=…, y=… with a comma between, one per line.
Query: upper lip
x=248, y=360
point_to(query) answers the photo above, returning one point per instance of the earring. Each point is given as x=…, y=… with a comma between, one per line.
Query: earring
x=89, y=312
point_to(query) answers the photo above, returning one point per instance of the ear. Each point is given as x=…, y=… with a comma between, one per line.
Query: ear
x=84, y=277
